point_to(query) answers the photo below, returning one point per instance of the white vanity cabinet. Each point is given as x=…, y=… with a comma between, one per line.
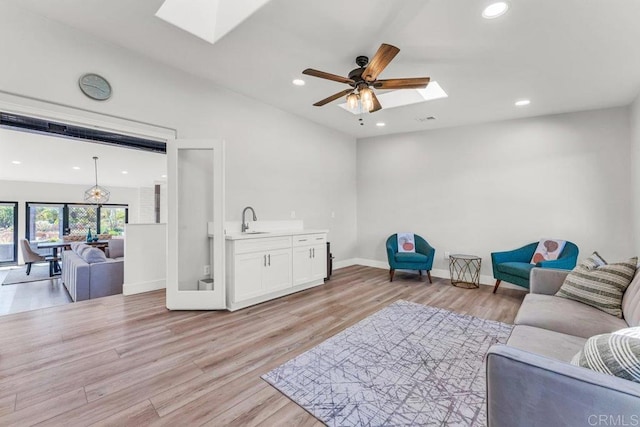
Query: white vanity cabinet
x=260, y=267
x=309, y=258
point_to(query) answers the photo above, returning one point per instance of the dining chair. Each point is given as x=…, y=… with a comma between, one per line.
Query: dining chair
x=30, y=257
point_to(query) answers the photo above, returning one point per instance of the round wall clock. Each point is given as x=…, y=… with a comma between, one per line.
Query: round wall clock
x=95, y=87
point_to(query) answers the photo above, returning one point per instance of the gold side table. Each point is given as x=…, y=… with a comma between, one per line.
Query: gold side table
x=465, y=270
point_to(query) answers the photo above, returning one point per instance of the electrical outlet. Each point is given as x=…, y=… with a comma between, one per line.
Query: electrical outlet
x=333, y=214
x=447, y=254
x=293, y=214
x=206, y=270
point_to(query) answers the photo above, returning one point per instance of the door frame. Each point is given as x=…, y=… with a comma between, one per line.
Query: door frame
x=16, y=209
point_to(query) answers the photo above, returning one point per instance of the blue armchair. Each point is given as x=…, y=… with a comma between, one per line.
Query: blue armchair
x=422, y=259
x=515, y=266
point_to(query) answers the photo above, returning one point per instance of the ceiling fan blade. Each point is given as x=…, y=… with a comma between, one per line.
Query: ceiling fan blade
x=333, y=97
x=411, y=83
x=328, y=76
x=376, y=103
x=380, y=60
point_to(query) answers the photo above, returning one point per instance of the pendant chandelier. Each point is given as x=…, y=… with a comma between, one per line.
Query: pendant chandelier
x=96, y=195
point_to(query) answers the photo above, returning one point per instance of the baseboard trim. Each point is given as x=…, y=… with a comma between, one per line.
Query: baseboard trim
x=138, y=288
x=345, y=263
x=485, y=280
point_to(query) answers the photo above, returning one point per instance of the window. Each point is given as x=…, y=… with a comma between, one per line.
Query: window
x=8, y=233
x=82, y=219
x=50, y=221
x=44, y=221
x=113, y=219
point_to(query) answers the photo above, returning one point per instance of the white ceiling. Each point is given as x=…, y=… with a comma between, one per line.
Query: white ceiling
x=564, y=55
x=51, y=159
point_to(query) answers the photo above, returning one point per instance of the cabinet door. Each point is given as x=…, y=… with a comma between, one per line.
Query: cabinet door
x=301, y=265
x=318, y=262
x=277, y=273
x=248, y=275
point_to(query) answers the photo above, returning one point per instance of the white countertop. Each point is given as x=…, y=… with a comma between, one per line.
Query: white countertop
x=279, y=233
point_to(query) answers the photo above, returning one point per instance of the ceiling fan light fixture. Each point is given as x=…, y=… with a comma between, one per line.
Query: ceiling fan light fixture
x=352, y=101
x=366, y=97
x=495, y=10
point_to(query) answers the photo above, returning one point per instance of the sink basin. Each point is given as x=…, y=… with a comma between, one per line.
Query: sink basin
x=255, y=232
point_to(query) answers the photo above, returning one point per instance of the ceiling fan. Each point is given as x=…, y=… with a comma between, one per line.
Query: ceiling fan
x=364, y=78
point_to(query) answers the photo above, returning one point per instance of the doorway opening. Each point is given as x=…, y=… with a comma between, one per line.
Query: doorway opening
x=49, y=166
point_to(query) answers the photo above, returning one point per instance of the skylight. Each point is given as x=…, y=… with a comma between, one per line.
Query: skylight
x=402, y=97
x=208, y=19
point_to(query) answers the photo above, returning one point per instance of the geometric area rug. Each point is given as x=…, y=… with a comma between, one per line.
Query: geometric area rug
x=406, y=365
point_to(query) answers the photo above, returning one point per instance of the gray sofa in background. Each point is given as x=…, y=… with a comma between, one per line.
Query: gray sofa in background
x=530, y=381
x=86, y=279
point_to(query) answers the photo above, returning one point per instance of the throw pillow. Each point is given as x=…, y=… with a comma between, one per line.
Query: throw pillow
x=406, y=242
x=594, y=261
x=548, y=250
x=616, y=354
x=77, y=246
x=93, y=255
x=600, y=286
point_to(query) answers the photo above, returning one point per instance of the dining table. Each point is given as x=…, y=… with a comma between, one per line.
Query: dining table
x=55, y=246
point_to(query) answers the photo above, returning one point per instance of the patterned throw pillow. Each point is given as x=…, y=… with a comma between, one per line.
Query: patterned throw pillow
x=406, y=242
x=548, y=250
x=599, y=285
x=616, y=354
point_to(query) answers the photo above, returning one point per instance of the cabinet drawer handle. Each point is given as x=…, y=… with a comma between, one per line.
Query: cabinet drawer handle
x=269, y=259
x=319, y=238
x=265, y=260
x=314, y=252
x=302, y=240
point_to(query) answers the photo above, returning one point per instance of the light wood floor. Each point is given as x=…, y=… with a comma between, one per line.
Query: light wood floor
x=128, y=361
x=32, y=295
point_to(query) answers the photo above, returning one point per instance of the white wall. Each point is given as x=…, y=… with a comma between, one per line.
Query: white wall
x=634, y=111
x=275, y=161
x=145, y=251
x=147, y=205
x=497, y=186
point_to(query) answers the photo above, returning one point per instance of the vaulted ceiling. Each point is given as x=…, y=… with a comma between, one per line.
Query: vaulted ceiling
x=562, y=55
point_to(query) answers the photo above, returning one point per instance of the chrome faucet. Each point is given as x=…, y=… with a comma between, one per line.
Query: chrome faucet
x=245, y=224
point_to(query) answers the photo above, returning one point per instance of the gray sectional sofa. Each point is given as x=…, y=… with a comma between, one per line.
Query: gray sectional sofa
x=86, y=274
x=530, y=381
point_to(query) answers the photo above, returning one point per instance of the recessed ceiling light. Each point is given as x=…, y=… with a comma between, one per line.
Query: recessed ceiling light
x=76, y=168
x=522, y=103
x=495, y=9
x=16, y=162
x=381, y=124
x=298, y=82
x=163, y=176
x=124, y=172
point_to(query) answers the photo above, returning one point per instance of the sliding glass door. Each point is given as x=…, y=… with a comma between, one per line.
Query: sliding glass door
x=8, y=233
